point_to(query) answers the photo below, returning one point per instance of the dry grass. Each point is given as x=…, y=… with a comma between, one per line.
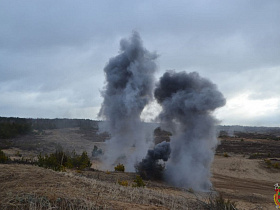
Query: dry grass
x=31, y=187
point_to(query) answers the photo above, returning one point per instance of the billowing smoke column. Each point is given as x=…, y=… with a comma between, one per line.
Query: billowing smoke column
x=187, y=101
x=150, y=167
x=129, y=88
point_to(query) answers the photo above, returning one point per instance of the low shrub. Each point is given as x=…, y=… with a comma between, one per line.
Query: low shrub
x=120, y=167
x=79, y=161
x=269, y=154
x=220, y=203
x=138, y=182
x=191, y=190
x=226, y=154
x=276, y=165
x=3, y=158
x=123, y=183
x=268, y=162
x=255, y=155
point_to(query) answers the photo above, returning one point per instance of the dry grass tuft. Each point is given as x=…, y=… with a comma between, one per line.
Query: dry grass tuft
x=32, y=187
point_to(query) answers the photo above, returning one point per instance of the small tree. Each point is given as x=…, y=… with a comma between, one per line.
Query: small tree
x=60, y=160
x=120, y=167
x=138, y=182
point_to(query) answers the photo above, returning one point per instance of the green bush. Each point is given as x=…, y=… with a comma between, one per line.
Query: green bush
x=54, y=161
x=3, y=157
x=79, y=161
x=120, y=167
x=60, y=160
x=138, y=182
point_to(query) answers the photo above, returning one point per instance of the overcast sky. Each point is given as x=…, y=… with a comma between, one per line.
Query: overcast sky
x=52, y=53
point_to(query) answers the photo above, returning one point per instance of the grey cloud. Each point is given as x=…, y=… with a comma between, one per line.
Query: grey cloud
x=187, y=101
x=50, y=46
x=128, y=89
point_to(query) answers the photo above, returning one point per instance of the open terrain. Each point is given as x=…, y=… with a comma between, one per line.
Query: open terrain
x=240, y=171
x=21, y=184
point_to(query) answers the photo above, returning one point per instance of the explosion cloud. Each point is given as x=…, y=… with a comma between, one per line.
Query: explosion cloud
x=149, y=167
x=129, y=88
x=187, y=101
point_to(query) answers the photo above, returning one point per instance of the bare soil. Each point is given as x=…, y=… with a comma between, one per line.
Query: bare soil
x=244, y=176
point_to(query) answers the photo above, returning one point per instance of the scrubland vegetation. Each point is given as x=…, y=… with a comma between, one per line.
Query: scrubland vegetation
x=70, y=185
x=120, y=167
x=48, y=189
x=61, y=160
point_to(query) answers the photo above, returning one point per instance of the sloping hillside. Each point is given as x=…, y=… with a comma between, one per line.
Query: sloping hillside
x=26, y=186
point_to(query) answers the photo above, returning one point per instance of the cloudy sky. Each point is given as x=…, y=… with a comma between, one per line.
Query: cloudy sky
x=52, y=53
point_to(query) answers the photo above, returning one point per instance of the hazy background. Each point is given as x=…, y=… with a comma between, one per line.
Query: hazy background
x=52, y=53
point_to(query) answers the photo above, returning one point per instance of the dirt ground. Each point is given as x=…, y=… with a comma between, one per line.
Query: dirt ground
x=239, y=174
x=244, y=176
x=246, y=181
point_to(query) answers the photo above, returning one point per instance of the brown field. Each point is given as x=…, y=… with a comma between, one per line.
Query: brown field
x=239, y=174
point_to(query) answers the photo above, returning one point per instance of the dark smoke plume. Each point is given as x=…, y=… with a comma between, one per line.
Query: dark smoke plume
x=150, y=167
x=129, y=88
x=187, y=102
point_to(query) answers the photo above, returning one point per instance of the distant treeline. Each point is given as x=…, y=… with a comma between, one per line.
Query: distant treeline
x=256, y=136
x=249, y=129
x=11, y=127
x=43, y=124
x=250, y=132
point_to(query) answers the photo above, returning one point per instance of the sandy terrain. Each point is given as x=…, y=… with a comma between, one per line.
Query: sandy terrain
x=246, y=181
